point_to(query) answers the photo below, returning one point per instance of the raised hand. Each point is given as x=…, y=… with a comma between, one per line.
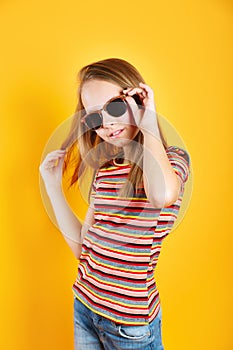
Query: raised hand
x=145, y=118
x=51, y=169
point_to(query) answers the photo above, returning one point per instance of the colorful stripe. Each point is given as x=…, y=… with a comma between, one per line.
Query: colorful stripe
x=121, y=250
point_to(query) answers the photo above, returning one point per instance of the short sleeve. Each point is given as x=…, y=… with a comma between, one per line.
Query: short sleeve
x=180, y=161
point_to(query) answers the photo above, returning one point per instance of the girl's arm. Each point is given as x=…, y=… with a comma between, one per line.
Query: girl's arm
x=68, y=223
x=89, y=221
x=162, y=185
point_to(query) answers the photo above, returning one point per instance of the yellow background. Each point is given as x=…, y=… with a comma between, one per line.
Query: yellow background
x=184, y=51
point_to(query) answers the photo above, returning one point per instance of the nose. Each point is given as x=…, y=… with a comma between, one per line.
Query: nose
x=108, y=120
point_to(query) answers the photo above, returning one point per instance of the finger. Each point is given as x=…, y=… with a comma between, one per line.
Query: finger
x=148, y=89
x=51, y=162
x=58, y=152
x=134, y=90
x=142, y=93
x=60, y=162
x=55, y=154
x=131, y=101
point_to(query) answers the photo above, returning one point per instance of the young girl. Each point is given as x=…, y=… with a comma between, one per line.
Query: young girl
x=137, y=190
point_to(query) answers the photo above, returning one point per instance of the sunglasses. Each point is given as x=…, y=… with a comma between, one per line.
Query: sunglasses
x=115, y=107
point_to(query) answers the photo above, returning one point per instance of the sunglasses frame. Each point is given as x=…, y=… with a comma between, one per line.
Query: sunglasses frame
x=98, y=111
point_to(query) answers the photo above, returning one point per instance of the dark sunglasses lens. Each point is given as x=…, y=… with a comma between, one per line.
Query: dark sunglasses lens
x=116, y=108
x=93, y=121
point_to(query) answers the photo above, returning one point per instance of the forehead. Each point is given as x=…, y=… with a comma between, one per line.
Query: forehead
x=95, y=93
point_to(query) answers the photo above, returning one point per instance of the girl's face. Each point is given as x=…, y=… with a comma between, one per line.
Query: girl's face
x=118, y=131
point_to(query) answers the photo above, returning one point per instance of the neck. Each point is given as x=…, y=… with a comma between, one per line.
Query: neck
x=131, y=151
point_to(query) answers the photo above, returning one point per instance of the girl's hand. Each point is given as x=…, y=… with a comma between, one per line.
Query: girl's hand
x=145, y=93
x=51, y=169
x=145, y=118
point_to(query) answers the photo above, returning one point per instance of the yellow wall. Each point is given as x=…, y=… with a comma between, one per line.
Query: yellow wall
x=184, y=51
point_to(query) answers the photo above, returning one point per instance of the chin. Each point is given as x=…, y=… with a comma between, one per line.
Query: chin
x=120, y=142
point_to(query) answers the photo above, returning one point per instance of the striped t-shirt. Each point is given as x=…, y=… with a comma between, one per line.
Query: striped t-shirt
x=121, y=249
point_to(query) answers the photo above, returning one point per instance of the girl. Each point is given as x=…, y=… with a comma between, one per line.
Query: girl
x=135, y=197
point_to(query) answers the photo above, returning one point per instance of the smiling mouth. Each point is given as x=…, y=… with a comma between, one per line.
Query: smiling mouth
x=116, y=133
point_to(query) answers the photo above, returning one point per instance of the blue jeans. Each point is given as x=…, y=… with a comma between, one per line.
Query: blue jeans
x=95, y=332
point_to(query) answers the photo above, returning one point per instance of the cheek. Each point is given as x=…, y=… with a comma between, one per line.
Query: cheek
x=126, y=119
x=100, y=133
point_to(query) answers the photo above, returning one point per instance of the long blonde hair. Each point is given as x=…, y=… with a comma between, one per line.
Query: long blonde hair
x=84, y=147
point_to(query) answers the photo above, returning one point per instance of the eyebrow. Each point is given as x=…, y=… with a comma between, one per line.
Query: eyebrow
x=94, y=108
x=100, y=106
